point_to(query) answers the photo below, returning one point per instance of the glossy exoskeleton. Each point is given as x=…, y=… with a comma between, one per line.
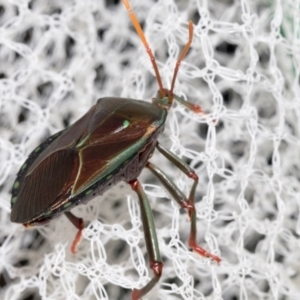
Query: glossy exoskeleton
x=112, y=142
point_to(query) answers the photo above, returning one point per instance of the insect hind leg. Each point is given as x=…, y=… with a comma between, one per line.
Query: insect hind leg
x=79, y=224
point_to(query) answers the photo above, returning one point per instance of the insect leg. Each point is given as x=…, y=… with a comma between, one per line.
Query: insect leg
x=151, y=241
x=180, y=198
x=79, y=224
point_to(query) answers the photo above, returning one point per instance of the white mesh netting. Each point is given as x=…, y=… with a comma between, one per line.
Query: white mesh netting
x=58, y=57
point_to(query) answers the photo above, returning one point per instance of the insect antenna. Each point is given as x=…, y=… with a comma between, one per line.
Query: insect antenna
x=162, y=91
x=140, y=32
x=182, y=56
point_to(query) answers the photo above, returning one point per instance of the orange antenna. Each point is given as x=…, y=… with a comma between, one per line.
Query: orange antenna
x=140, y=32
x=182, y=56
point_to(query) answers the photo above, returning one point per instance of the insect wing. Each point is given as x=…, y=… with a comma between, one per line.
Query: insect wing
x=118, y=131
x=49, y=171
x=110, y=133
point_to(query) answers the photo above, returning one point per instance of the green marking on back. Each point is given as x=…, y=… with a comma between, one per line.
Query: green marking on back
x=24, y=166
x=37, y=149
x=16, y=184
x=56, y=134
x=14, y=200
x=89, y=192
x=66, y=205
x=48, y=213
x=126, y=123
x=82, y=143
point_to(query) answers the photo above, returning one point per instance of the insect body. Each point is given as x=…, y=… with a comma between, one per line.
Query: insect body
x=112, y=142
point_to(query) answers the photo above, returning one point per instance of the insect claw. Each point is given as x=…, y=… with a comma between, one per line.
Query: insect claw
x=203, y=252
x=197, y=109
x=214, y=258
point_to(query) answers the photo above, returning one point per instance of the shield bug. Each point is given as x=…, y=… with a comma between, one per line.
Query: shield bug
x=112, y=142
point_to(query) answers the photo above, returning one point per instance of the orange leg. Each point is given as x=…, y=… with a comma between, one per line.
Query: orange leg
x=79, y=224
